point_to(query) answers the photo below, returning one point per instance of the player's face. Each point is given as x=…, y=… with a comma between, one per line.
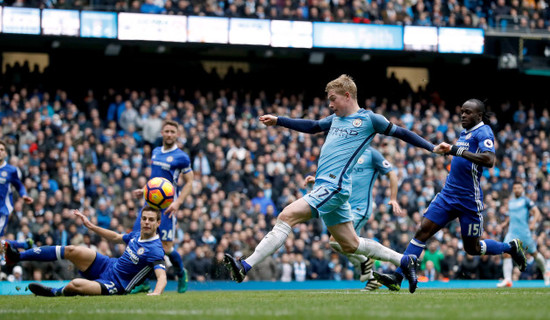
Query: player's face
x=338, y=103
x=149, y=224
x=518, y=190
x=469, y=115
x=3, y=153
x=169, y=135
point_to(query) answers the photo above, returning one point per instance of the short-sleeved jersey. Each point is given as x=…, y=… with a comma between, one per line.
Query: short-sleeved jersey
x=139, y=258
x=9, y=175
x=518, y=211
x=464, y=179
x=347, y=139
x=366, y=170
x=169, y=164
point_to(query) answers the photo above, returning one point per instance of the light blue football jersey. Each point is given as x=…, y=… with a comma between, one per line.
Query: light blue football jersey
x=366, y=170
x=347, y=139
x=518, y=211
x=463, y=182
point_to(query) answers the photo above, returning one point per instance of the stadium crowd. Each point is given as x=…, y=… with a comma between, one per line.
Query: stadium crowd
x=90, y=156
x=516, y=15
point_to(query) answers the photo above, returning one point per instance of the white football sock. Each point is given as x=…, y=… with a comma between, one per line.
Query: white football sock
x=375, y=250
x=270, y=243
x=355, y=259
x=541, y=262
x=507, y=268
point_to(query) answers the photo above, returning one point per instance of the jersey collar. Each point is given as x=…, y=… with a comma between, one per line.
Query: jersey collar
x=149, y=240
x=171, y=149
x=3, y=164
x=475, y=127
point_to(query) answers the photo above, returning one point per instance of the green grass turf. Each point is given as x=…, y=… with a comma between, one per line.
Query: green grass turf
x=463, y=304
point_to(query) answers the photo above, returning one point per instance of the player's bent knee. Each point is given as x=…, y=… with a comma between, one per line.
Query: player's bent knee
x=473, y=250
x=293, y=217
x=348, y=247
x=70, y=250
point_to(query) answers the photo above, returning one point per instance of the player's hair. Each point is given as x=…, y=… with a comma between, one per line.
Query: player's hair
x=157, y=211
x=517, y=181
x=2, y=142
x=485, y=116
x=343, y=84
x=170, y=123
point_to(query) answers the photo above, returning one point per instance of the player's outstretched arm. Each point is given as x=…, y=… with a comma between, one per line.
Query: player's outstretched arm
x=174, y=207
x=22, y=190
x=410, y=137
x=485, y=159
x=394, y=183
x=302, y=125
x=161, y=282
x=107, y=234
x=383, y=126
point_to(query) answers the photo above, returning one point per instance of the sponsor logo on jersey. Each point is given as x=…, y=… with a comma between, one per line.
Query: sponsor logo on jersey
x=357, y=123
x=343, y=132
x=37, y=250
x=488, y=143
x=3, y=180
x=141, y=251
x=133, y=256
x=361, y=160
x=164, y=166
x=463, y=144
x=170, y=159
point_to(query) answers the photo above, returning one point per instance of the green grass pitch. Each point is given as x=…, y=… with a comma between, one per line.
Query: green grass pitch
x=463, y=304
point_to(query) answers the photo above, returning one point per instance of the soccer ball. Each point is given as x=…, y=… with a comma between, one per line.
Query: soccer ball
x=159, y=193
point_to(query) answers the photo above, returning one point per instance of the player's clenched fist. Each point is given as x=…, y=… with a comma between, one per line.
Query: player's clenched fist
x=268, y=120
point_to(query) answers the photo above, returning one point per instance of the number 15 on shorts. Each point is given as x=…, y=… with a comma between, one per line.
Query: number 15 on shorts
x=474, y=230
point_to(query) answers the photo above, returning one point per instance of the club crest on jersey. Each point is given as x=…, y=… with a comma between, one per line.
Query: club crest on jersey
x=361, y=160
x=170, y=159
x=4, y=173
x=468, y=136
x=140, y=251
x=357, y=123
x=488, y=143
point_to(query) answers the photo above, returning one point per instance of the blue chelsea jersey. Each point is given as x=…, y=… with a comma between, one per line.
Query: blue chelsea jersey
x=169, y=164
x=139, y=258
x=464, y=179
x=9, y=175
x=347, y=139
